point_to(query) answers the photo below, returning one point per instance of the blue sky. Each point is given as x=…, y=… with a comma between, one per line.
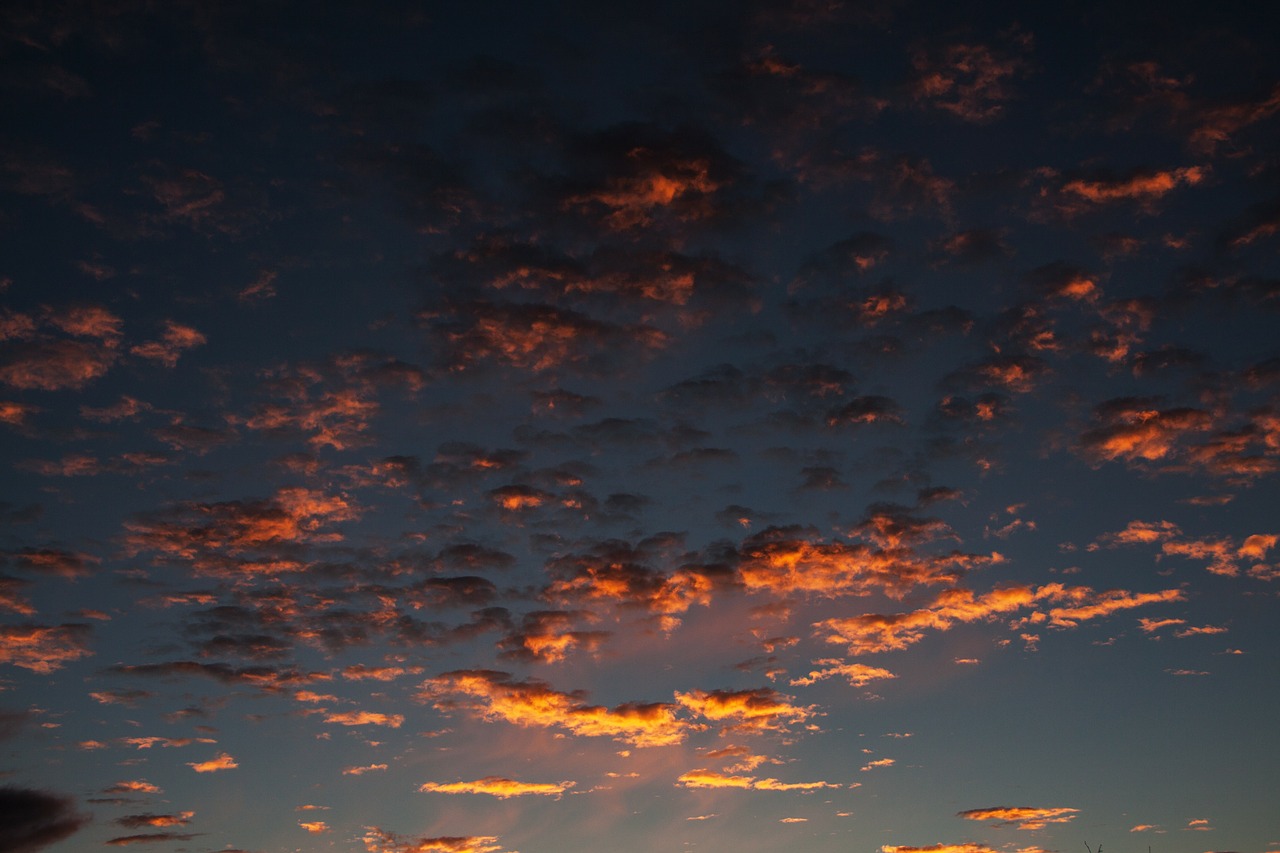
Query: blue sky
x=490, y=428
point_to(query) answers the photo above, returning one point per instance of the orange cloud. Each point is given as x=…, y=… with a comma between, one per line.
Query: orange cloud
x=380, y=841
x=137, y=786
x=360, y=771
x=532, y=703
x=752, y=710
x=1101, y=604
x=55, y=561
x=879, y=762
x=1150, y=626
x=873, y=632
x=547, y=636
x=1142, y=186
x=702, y=778
x=870, y=633
x=1133, y=430
x=1141, y=533
x=314, y=827
x=167, y=742
x=1218, y=124
x=365, y=718
x=87, y=321
x=42, y=648
x=1022, y=817
x=534, y=337
x=1221, y=554
x=500, y=787
x=857, y=674
x=655, y=180
x=174, y=340
x=15, y=414
x=55, y=364
x=360, y=672
x=781, y=561
x=969, y=847
x=222, y=761
x=213, y=536
x=1256, y=546
x=615, y=572
x=970, y=81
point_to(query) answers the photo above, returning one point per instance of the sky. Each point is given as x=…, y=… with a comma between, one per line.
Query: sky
x=708, y=426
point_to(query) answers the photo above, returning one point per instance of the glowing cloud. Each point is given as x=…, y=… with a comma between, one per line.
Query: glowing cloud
x=380, y=841
x=494, y=695
x=1021, y=817
x=222, y=761
x=500, y=787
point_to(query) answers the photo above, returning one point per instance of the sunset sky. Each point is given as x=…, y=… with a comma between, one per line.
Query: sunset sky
x=786, y=425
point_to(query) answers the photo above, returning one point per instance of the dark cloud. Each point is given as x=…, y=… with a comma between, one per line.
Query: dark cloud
x=31, y=820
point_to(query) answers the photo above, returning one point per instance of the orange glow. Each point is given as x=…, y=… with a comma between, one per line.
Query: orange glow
x=221, y=762
x=531, y=703
x=752, y=710
x=43, y=649
x=500, y=787
x=365, y=718
x=1022, y=817
x=1146, y=186
x=379, y=841
x=857, y=674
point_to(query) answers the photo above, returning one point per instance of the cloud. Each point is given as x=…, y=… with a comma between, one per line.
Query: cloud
x=365, y=718
x=149, y=838
x=495, y=695
x=174, y=340
x=317, y=827
x=166, y=742
x=873, y=632
x=702, y=778
x=790, y=560
x=380, y=841
x=1140, y=533
x=761, y=709
x=615, y=571
x=970, y=847
x=360, y=771
x=215, y=537
x=857, y=674
x=222, y=761
x=31, y=820
x=53, y=365
x=534, y=337
x=1021, y=817
x=1135, y=430
x=1217, y=124
x=269, y=679
x=43, y=648
x=1140, y=186
x=500, y=787
x=159, y=820
x=633, y=176
x=969, y=81
x=132, y=786
x=547, y=636
x=360, y=672
x=54, y=561
x=866, y=410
